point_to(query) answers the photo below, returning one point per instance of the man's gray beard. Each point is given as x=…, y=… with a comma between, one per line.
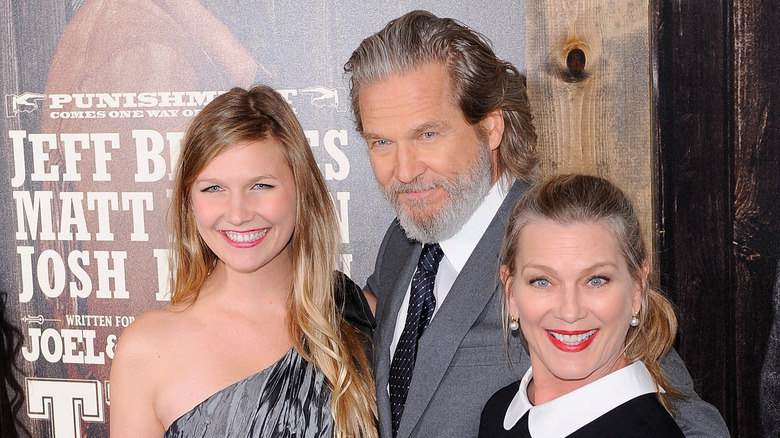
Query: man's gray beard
x=464, y=194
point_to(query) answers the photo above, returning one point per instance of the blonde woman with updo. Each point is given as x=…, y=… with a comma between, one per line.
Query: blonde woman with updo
x=575, y=275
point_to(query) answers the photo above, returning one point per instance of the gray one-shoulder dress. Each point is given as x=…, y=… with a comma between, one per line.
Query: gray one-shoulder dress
x=291, y=399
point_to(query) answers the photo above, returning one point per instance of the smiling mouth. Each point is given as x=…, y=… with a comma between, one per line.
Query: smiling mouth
x=572, y=339
x=253, y=236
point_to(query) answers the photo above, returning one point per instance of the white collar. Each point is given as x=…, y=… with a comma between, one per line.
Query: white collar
x=580, y=406
x=459, y=247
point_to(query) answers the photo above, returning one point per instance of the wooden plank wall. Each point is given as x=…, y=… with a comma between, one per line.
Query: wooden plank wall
x=588, y=71
x=756, y=244
x=678, y=102
x=719, y=138
x=695, y=206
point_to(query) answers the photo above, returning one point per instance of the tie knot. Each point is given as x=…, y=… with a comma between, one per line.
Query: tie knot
x=430, y=257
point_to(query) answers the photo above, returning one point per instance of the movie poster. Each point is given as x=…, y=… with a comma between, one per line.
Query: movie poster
x=98, y=94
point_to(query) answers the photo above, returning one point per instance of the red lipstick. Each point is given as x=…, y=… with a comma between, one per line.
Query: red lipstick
x=571, y=346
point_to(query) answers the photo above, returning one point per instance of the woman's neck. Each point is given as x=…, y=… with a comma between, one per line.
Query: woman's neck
x=269, y=285
x=546, y=386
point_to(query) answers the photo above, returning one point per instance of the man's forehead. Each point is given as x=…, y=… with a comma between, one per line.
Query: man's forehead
x=414, y=98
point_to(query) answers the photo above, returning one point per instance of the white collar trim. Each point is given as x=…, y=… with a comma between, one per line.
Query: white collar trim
x=580, y=406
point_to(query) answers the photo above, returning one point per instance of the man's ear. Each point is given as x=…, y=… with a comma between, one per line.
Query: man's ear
x=493, y=125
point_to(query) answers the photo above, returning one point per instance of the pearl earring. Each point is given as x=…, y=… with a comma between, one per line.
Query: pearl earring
x=513, y=324
x=634, y=320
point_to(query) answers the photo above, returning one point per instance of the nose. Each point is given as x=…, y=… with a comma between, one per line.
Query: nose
x=570, y=308
x=408, y=165
x=238, y=209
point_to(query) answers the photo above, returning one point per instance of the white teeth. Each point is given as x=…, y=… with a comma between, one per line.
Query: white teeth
x=245, y=237
x=572, y=339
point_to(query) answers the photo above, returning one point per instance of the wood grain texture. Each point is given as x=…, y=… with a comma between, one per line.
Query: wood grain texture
x=696, y=203
x=596, y=120
x=719, y=184
x=756, y=233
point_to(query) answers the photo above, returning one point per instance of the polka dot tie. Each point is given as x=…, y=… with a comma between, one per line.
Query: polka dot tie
x=422, y=302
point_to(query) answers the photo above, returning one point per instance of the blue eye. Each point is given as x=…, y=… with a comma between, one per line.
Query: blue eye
x=428, y=135
x=540, y=282
x=380, y=143
x=210, y=189
x=598, y=281
x=262, y=186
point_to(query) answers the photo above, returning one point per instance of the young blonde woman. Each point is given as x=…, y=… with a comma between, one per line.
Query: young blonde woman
x=263, y=338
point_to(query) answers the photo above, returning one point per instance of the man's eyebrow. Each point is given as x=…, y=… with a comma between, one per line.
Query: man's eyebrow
x=369, y=134
x=433, y=125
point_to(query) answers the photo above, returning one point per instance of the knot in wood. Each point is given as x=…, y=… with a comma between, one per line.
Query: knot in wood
x=575, y=60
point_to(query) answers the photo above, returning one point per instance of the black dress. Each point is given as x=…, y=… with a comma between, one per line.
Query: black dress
x=621, y=404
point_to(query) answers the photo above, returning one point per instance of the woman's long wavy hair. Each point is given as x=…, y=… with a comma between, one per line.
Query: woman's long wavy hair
x=11, y=391
x=567, y=199
x=315, y=325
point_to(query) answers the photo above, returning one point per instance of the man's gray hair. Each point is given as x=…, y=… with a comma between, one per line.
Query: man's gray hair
x=481, y=82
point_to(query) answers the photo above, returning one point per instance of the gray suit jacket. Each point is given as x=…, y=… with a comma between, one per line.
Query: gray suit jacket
x=770, y=373
x=463, y=356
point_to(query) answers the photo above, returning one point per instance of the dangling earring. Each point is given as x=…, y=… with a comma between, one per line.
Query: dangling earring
x=634, y=320
x=513, y=324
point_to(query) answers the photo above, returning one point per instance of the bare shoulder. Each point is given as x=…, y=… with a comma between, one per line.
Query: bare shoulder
x=145, y=336
x=144, y=348
x=136, y=374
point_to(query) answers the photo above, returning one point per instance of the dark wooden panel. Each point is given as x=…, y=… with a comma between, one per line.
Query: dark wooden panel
x=694, y=125
x=718, y=139
x=756, y=195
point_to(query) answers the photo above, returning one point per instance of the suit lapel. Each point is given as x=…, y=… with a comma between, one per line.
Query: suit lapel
x=401, y=261
x=473, y=288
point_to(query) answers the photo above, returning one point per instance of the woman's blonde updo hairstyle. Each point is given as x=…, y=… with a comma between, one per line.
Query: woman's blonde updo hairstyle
x=567, y=199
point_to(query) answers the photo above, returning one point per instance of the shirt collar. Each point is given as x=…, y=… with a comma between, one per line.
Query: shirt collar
x=580, y=406
x=459, y=247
